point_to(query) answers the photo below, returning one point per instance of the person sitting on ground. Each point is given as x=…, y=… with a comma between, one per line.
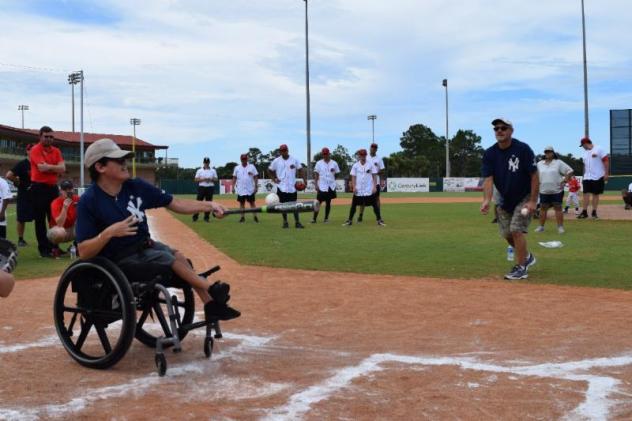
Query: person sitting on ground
x=63, y=215
x=627, y=197
x=111, y=222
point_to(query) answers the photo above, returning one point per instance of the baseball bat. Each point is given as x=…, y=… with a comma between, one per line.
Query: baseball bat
x=287, y=207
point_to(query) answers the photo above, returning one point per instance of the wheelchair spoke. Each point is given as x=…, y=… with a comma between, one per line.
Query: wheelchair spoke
x=161, y=318
x=75, y=310
x=85, y=329
x=104, y=338
x=143, y=317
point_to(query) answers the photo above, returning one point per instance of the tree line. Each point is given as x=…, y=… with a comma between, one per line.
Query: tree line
x=422, y=154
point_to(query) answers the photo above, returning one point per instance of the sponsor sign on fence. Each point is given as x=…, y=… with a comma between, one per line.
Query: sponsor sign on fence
x=462, y=184
x=408, y=185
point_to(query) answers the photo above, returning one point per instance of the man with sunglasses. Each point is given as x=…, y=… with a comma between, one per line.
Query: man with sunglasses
x=47, y=163
x=510, y=166
x=111, y=222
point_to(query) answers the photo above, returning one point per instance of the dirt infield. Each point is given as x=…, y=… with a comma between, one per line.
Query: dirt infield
x=320, y=345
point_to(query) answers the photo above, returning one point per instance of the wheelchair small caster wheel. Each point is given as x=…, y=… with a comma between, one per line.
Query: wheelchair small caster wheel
x=177, y=350
x=208, y=347
x=218, y=336
x=161, y=364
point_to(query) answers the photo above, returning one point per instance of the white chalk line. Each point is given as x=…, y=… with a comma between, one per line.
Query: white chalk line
x=596, y=404
x=40, y=343
x=212, y=386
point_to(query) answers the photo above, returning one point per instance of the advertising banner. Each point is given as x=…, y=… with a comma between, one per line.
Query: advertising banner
x=408, y=185
x=462, y=184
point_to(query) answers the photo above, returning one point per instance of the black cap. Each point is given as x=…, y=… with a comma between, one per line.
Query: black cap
x=66, y=185
x=207, y=159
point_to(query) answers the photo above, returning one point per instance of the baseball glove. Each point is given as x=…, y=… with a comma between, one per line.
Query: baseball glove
x=8, y=255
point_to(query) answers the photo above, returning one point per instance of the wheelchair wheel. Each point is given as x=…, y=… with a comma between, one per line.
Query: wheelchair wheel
x=94, y=312
x=153, y=317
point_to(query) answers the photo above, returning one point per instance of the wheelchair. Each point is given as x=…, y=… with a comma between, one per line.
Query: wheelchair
x=100, y=308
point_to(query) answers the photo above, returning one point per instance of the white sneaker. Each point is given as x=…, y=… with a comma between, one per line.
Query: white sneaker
x=560, y=230
x=540, y=228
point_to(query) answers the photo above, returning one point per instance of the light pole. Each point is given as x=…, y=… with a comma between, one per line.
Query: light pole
x=308, y=112
x=134, y=122
x=372, y=117
x=447, y=138
x=586, y=126
x=23, y=108
x=74, y=78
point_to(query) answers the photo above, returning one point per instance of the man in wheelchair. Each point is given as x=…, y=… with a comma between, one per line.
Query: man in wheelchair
x=111, y=222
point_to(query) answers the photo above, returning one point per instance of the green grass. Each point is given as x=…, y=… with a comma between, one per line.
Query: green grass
x=433, y=240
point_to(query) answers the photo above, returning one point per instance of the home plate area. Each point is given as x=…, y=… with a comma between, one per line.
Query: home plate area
x=252, y=376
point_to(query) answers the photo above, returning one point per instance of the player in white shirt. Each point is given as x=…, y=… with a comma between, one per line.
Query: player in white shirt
x=245, y=178
x=206, y=178
x=596, y=173
x=364, y=185
x=627, y=197
x=325, y=172
x=283, y=172
x=378, y=163
x=5, y=198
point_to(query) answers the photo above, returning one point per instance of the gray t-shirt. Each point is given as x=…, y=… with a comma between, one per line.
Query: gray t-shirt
x=551, y=175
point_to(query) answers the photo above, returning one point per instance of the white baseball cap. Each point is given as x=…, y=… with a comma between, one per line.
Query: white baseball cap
x=502, y=120
x=104, y=148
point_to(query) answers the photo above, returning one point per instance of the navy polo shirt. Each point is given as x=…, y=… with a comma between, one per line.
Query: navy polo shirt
x=511, y=169
x=97, y=210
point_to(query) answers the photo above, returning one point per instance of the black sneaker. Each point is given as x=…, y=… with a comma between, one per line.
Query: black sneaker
x=565, y=210
x=313, y=221
x=347, y=223
x=286, y=225
x=326, y=221
x=495, y=221
x=360, y=218
x=22, y=243
x=517, y=272
x=242, y=220
x=194, y=219
x=299, y=225
x=531, y=260
x=594, y=215
x=381, y=223
x=214, y=311
x=256, y=219
x=582, y=215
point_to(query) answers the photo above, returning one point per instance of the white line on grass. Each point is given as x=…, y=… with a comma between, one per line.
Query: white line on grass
x=596, y=404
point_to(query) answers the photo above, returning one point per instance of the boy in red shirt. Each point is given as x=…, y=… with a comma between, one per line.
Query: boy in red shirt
x=46, y=164
x=573, y=196
x=63, y=215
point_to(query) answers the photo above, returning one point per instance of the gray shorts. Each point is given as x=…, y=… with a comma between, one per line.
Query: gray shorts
x=513, y=222
x=159, y=253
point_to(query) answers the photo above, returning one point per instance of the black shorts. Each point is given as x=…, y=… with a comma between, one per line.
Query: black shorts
x=552, y=199
x=24, y=208
x=250, y=198
x=363, y=200
x=593, y=186
x=323, y=196
x=286, y=197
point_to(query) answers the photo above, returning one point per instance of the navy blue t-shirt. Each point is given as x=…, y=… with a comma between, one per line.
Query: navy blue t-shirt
x=97, y=210
x=512, y=169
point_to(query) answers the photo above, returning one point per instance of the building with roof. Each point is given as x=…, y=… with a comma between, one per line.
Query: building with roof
x=13, y=142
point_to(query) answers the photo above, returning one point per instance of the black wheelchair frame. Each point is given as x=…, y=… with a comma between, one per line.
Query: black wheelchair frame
x=96, y=293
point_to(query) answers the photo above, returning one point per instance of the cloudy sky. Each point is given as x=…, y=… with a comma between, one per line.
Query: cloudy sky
x=209, y=77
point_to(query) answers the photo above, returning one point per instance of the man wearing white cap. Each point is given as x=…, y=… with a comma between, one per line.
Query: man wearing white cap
x=325, y=172
x=510, y=166
x=596, y=173
x=245, y=178
x=111, y=222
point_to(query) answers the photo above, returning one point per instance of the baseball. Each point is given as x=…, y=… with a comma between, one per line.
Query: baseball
x=272, y=199
x=524, y=211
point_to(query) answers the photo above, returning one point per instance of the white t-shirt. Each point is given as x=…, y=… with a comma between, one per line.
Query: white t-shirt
x=245, y=179
x=630, y=188
x=378, y=163
x=551, y=175
x=326, y=174
x=5, y=193
x=363, y=177
x=203, y=173
x=594, y=167
x=285, y=170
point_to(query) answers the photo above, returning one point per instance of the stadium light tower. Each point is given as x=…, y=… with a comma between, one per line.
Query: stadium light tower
x=23, y=108
x=372, y=117
x=74, y=78
x=447, y=139
x=134, y=122
x=586, y=126
x=308, y=112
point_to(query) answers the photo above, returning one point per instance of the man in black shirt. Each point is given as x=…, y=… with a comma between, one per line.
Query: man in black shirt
x=20, y=176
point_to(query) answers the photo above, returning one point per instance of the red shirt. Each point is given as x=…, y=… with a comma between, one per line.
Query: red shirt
x=573, y=185
x=71, y=214
x=44, y=155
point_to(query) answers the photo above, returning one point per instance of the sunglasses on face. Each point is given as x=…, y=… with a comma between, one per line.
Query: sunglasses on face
x=49, y=137
x=120, y=161
x=501, y=128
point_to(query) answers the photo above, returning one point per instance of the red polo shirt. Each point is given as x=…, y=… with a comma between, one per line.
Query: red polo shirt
x=44, y=155
x=71, y=215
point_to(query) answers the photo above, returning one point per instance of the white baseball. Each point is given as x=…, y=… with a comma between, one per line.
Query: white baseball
x=272, y=199
x=524, y=211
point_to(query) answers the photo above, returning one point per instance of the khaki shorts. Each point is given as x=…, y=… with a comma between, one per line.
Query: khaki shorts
x=513, y=222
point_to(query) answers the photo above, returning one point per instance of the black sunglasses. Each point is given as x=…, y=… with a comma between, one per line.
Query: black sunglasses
x=501, y=128
x=104, y=161
x=49, y=137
